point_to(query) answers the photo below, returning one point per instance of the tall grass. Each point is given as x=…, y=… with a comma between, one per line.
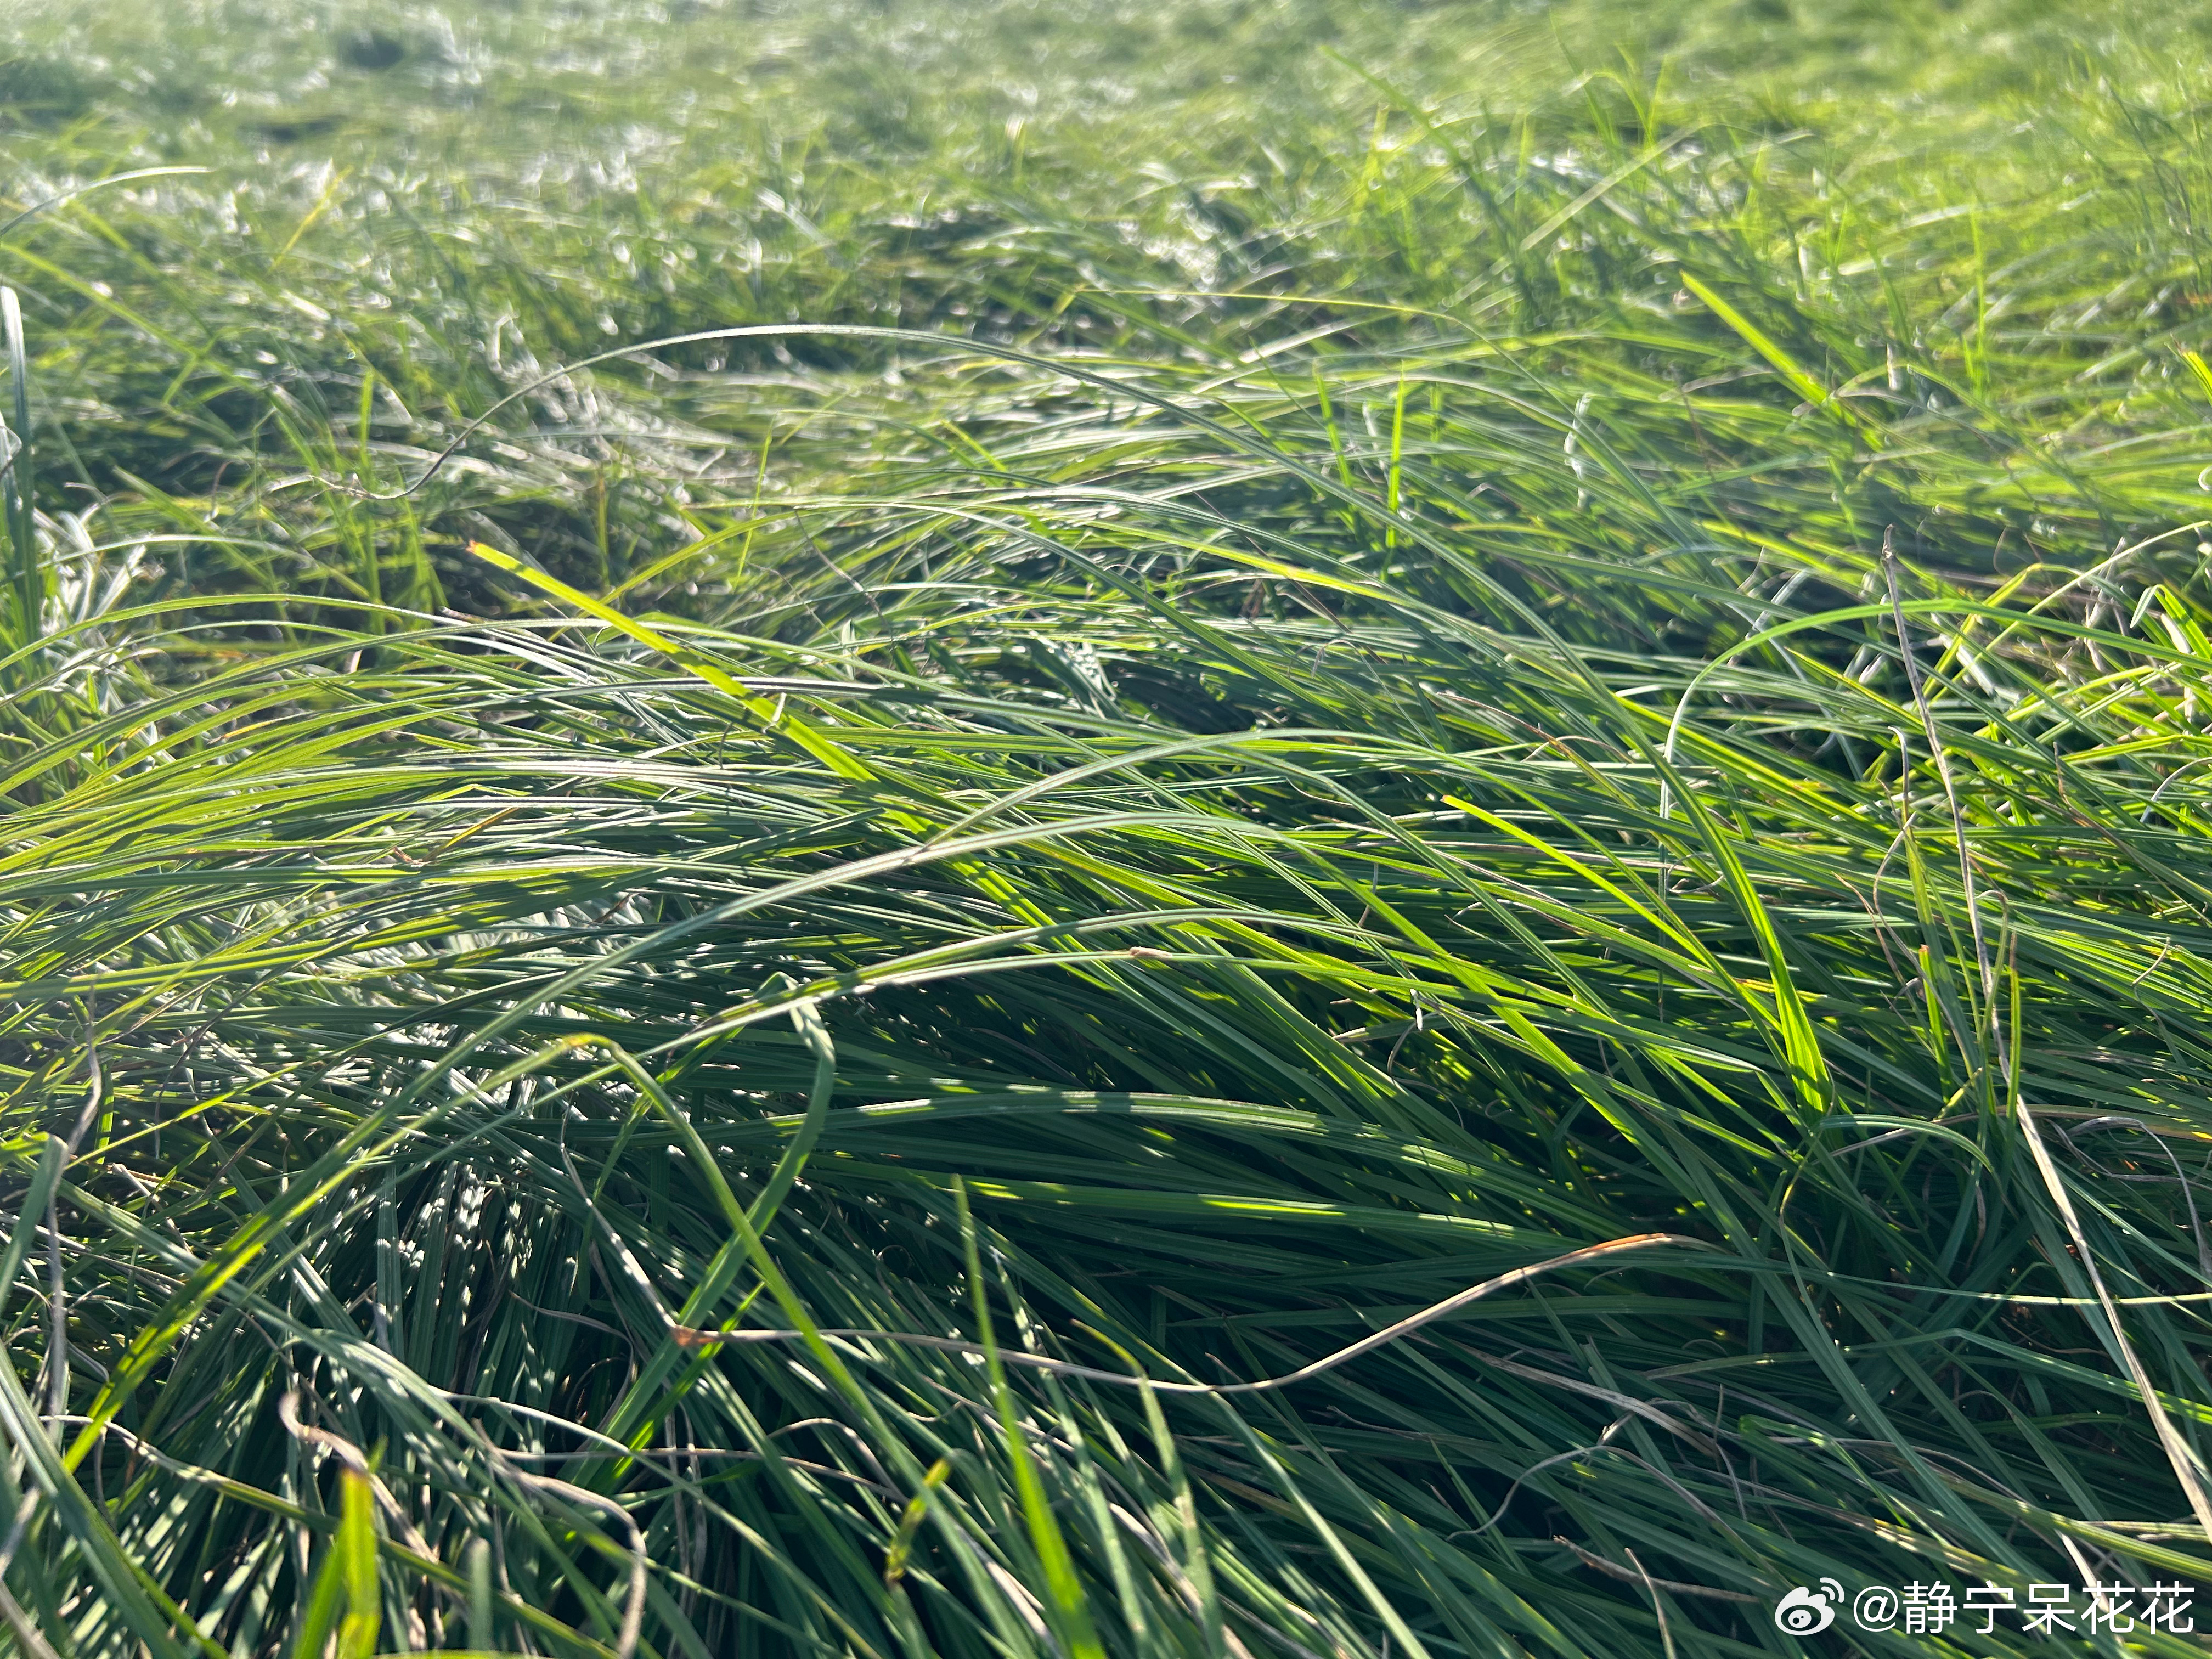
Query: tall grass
x=1532, y=774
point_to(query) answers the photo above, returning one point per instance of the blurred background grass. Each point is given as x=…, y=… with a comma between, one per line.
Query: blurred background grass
x=409, y=212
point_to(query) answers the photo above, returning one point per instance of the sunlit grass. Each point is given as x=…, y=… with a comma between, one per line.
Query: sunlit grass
x=645, y=997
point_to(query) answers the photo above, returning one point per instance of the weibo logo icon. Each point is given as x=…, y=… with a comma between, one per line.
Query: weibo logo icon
x=1806, y=1612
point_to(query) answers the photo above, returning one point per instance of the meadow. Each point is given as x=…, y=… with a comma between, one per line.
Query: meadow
x=869, y=828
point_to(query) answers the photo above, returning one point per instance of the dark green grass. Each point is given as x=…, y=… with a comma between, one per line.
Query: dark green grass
x=1211, y=719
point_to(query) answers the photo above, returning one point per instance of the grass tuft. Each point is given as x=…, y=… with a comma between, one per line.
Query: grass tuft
x=1265, y=829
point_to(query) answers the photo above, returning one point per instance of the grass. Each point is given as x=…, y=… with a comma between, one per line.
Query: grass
x=1498, y=719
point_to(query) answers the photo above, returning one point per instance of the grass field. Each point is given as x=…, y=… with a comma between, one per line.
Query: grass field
x=780, y=776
